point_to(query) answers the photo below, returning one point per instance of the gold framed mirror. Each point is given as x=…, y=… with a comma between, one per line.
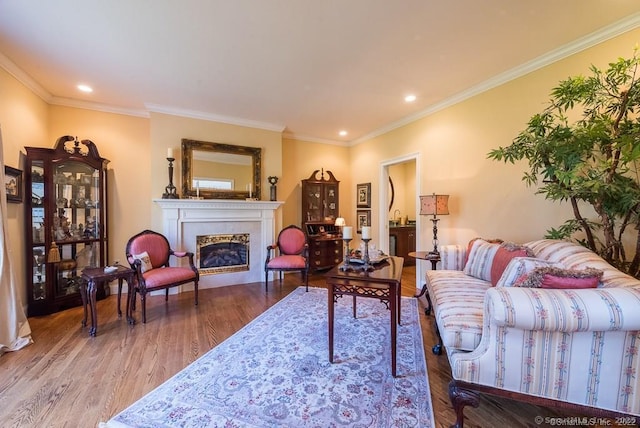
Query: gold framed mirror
x=220, y=171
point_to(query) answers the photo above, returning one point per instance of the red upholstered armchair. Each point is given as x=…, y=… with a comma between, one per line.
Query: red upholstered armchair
x=290, y=253
x=148, y=254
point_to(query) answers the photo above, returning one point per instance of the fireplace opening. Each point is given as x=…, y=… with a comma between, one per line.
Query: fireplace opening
x=222, y=253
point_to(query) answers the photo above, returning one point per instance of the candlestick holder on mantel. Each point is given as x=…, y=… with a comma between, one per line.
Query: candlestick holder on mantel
x=170, y=192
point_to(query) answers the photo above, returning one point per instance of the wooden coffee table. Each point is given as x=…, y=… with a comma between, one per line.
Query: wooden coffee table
x=382, y=283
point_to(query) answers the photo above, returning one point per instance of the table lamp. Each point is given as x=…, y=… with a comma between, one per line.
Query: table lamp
x=434, y=205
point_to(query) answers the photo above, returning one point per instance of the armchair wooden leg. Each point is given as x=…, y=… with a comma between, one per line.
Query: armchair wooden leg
x=166, y=295
x=266, y=280
x=196, y=291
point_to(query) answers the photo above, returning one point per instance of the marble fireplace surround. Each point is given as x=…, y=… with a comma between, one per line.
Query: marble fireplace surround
x=184, y=219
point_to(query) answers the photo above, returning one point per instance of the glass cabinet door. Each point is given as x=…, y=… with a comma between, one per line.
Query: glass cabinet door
x=331, y=201
x=38, y=230
x=314, y=200
x=76, y=223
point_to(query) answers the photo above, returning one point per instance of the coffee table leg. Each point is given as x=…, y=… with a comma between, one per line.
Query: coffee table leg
x=399, y=302
x=331, y=312
x=394, y=331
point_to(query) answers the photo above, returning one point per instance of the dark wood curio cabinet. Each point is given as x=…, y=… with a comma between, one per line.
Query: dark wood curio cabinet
x=320, y=208
x=65, y=222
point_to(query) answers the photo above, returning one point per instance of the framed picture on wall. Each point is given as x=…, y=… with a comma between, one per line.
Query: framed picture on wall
x=363, y=218
x=13, y=184
x=363, y=190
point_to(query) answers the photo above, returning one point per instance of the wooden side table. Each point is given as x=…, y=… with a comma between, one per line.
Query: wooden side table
x=434, y=259
x=91, y=277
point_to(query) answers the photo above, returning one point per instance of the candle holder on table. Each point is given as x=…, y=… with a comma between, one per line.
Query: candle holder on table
x=345, y=265
x=170, y=191
x=367, y=267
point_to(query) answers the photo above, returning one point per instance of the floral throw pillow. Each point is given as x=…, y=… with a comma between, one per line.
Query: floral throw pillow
x=519, y=267
x=553, y=277
x=145, y=261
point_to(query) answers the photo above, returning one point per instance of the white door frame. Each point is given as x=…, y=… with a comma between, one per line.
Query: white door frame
x=383, y=208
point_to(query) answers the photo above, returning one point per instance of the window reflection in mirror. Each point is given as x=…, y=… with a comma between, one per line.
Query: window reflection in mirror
x=220, y=171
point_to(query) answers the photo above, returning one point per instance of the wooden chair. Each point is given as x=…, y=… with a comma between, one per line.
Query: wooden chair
x=289, y=253
x=148, y=254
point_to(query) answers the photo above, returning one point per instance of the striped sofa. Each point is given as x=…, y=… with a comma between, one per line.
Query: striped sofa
x=573, y=348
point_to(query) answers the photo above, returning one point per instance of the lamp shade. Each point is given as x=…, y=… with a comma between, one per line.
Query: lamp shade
x=340, y=222
x=434, y=205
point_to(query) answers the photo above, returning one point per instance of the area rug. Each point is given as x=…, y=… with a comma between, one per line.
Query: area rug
x=275, y=372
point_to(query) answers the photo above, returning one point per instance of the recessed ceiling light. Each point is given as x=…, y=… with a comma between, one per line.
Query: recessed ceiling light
x=343, y=133
x=410, y=98
x=85, y=88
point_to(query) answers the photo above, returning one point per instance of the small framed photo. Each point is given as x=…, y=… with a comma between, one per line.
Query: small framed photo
x=363, y=190
x=13, y=184
x=364, y=219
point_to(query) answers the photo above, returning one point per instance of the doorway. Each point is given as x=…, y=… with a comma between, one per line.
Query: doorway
x=400, y=198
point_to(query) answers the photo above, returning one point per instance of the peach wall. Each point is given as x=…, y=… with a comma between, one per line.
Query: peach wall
x=403, y=176
x=124, y=140
x=488, y=198
x=23, y=119
x=168, y=131
x=301, y=159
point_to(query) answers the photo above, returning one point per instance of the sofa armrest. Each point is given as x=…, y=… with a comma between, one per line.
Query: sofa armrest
x=597, y=309
x=452, y=257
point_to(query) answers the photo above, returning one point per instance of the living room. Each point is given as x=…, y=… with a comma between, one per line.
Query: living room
x=450, y=143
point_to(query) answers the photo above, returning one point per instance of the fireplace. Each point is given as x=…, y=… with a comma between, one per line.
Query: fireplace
x=185, y=220
x=222, y=253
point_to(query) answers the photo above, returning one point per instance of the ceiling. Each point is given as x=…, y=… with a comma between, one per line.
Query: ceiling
x=308, y=68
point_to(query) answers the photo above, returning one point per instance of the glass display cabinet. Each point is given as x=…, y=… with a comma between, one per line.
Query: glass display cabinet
x=65, y=222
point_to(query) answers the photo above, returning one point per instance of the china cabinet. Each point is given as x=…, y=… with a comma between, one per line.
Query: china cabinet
x=65, y=222
x=320, y=204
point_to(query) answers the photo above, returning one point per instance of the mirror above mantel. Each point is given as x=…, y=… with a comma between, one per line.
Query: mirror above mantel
x=220, y=171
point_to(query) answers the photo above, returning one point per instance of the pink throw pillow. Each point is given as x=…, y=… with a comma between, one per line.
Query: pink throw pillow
x=553, y=277
x=503, y=256
x=564, y=282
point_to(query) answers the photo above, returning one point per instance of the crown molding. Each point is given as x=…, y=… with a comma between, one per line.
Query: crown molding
x=627, y=24
x=309, y=139
x=105, y=108
x=194, y=114
x=22, y=77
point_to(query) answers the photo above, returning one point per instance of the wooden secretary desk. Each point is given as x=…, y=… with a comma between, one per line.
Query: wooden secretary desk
x=320, y=204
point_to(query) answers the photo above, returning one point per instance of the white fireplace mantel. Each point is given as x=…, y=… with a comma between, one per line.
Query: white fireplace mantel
x=184, y=219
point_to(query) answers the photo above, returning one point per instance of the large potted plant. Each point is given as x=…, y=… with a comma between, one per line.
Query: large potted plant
x=583, y=148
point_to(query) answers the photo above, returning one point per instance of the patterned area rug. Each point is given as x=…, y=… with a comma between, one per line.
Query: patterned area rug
x=275, y=372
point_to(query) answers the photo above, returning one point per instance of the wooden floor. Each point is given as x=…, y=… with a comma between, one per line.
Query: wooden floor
x=67, y=379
